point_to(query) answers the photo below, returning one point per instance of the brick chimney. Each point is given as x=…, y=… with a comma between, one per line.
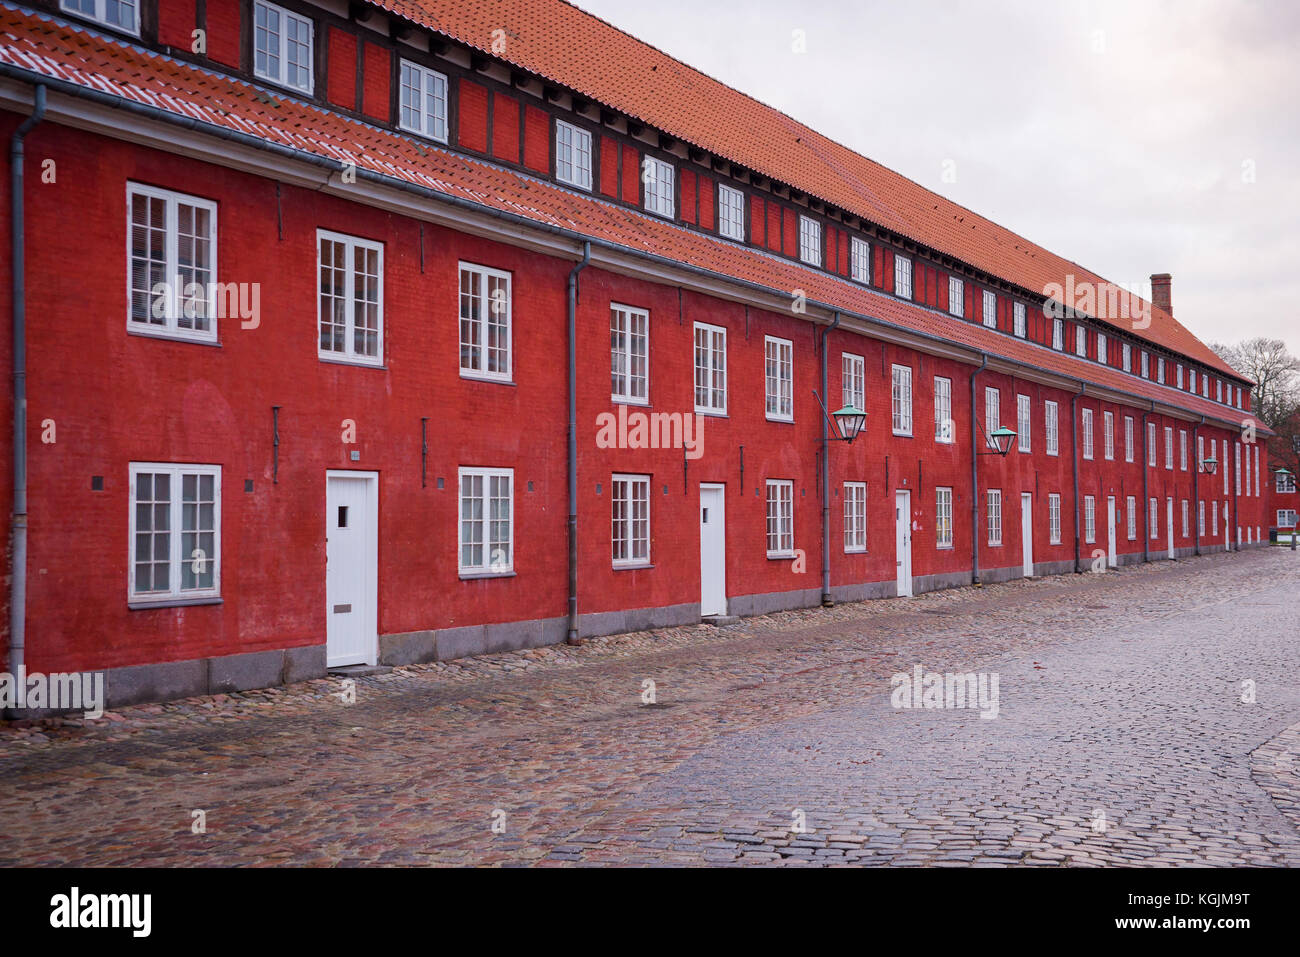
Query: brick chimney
x=1160, y=291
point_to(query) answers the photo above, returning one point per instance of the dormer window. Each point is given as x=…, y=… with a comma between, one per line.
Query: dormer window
x=658, y=178
x=282, y=47
x=1128, y=357
x=423, y=101
x=573, y=155
x=860, y=262
x=1101, y=347
x=1080, y=341
x=1058, y=334
x=1020, y=322
x=810, y=241
x=1160, y=369
x=990, y=309
x=1146, y=365
x=903, y=277
x=118, y=14
x=731, y=212
x=956, y=296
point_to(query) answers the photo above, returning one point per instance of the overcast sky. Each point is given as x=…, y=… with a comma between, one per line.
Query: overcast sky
x=1131, y=137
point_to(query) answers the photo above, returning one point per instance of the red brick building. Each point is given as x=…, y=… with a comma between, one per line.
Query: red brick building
x=391, y=331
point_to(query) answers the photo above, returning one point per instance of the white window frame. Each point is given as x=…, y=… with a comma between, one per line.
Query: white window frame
x=659, y=180
x=1052, y=427
x=350, y=245
x=855, y=517
x=992, y=415
x=1182, y=449
x=569, y=152
x=1169, y=448
x=421, y=84
x=1131, y=506
x=1089, y=519
x=481, y=276
x=282, y=47
x=990, y=309
x=942, y=517
x=1151, y=445
x=175, y=534
x=1101, y=348
x=626, y=345
x=1086, y=428
x=176, y=304
x=1283, y=483
x=780, y=518
x=1024, y=423
x=490, y=564
x=902, y=276
x=853, y=381
x=810, y=240
x=1200, y=518
x=1218, y=391
x=860, y=260
x=1179, y=377
x=1146, y=365
x=731, y=212
x=1286, y=518
x=944, y=427
x=994, y=513
x=1108, y=437
x=1128, y=438
x=778, y=379
x=1153, y=519
x=1019, y=319
x=1058, y=335
x=1187, y=519
x=1160, y=369
x=956, y=297
x=635, y=490
x=1128, y=357
x=1214, y=517
x=1081, y=342
x=1053, y=518
x=1223, y=470
x=100, y=15
x=901, y=399
x=711, y=368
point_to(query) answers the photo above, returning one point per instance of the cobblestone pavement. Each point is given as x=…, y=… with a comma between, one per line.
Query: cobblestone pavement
x=1121, y=737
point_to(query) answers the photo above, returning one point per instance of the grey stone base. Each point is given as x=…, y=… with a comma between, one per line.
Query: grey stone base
x=864, y=592
x=224, y=674
x=749, y=605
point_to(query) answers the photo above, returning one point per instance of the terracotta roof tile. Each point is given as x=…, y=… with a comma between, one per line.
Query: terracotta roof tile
x=48, y=48
x=575, y=49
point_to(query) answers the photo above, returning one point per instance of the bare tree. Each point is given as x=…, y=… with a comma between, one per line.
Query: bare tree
x=1276, y=396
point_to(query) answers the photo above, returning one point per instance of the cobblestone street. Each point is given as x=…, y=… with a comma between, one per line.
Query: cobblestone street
x=1121, y=737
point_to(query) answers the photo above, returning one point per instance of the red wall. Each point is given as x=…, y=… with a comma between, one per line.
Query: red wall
x=118, y=398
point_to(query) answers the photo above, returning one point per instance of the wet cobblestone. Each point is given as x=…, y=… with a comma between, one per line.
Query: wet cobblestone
x=1120, y=693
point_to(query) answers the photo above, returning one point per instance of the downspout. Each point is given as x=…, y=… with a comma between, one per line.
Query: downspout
x=1146, y=492
x=1234, y=533
x=18, y=522
x=572, y=637
x=974, y=477
x=826, y=479
x=1196, y=480
x=1074, y=462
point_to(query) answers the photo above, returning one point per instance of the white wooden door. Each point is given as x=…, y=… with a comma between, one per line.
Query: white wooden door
x=903, y=542
x=1111, y=532
x=351, y=569
x=713, y=550
x=1027, y=534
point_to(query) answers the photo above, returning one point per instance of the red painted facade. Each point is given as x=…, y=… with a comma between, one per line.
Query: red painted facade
x=116, y=397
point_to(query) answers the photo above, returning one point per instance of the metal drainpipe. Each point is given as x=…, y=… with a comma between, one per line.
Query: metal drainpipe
x=572, y=637
x=974, y=477
x=1196, y=481
x=1146, y=493
x=827, y=602
x=18, y=522
x=1234, y=533
x=1074, y=462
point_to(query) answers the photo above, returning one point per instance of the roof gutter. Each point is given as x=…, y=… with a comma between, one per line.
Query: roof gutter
x=18, y=520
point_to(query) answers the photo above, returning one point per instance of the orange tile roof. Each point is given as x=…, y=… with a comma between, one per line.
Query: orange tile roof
x=577, y=50
x=46, y=47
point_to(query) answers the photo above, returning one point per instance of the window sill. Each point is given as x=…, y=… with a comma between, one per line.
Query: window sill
x=779, y=420
x=146, y=604
x=908, y=435
x=358, y=363
x=144, y=332
x=855, y=551
x=624, y=400
x=476, y=576
x=493, y=380
x=423, y=135
x=781, y=556
x=631, y=567
x=712, y=413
